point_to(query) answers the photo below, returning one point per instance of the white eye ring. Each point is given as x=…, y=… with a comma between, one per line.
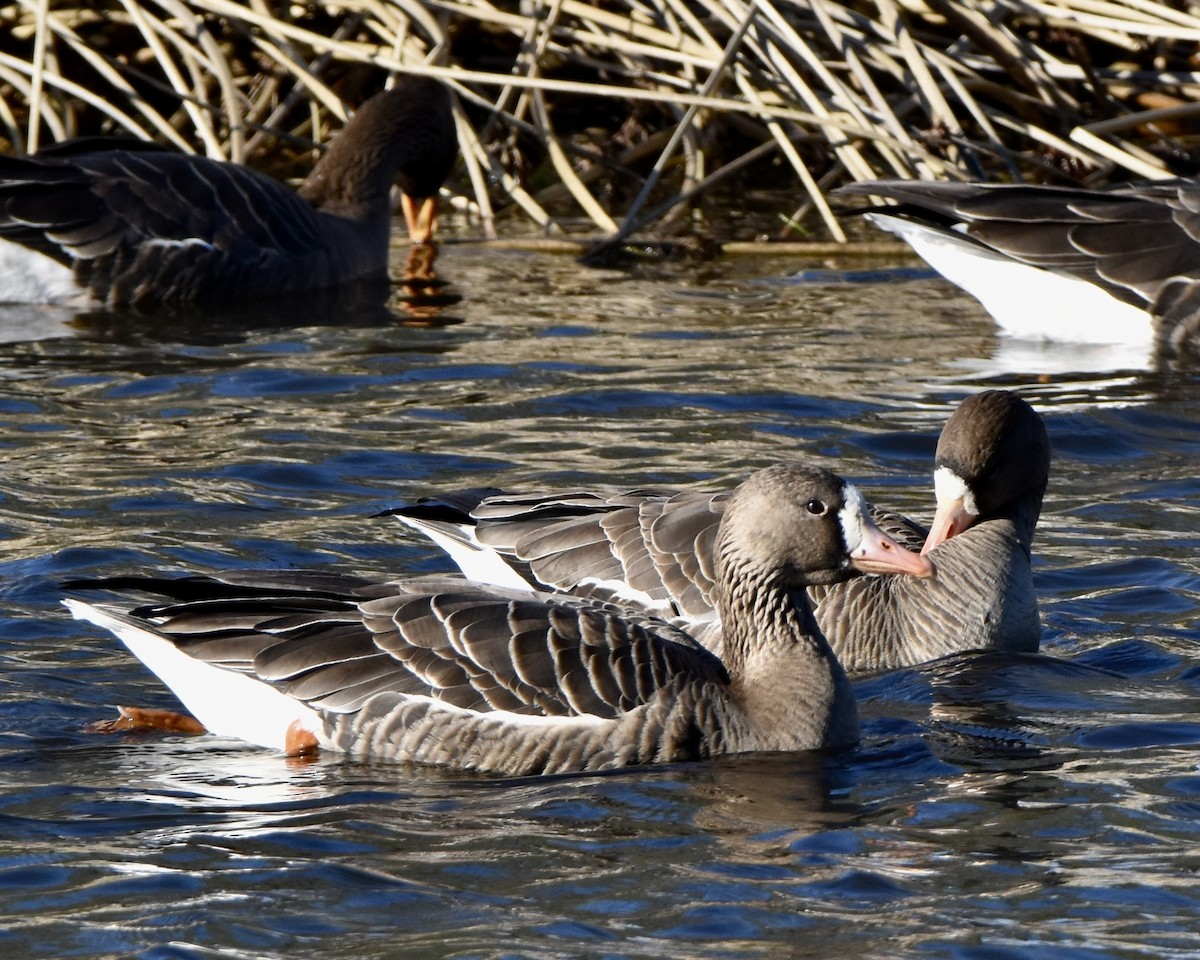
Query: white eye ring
x=816, y=507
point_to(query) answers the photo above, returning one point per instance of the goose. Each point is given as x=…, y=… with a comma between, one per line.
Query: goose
x=450, y=673
x=122, y=223
x=1117, y=266
x=656, y=549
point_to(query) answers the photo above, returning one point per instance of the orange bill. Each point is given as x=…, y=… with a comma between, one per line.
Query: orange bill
x=878, y=553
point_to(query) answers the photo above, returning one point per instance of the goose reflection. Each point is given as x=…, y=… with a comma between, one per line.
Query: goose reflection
x=418, y=298
x=422, y=298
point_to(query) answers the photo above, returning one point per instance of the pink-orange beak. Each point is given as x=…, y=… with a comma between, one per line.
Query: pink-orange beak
x=951, y=519
x=420, y=216
x=878, y=553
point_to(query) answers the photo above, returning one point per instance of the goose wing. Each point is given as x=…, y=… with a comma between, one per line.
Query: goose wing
x=908, y=533
x=334, y=645
x=655, y=549
x=138, y=223
x=651, y=549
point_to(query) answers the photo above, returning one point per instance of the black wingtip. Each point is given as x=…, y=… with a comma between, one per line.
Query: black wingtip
x=454, y=507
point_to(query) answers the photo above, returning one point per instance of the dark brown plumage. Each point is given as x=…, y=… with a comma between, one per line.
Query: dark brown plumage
x=134, y=224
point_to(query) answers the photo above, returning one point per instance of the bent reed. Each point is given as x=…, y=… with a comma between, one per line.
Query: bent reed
x=635, y=118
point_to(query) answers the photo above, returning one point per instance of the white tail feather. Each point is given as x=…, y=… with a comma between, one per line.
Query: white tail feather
x=478, y=563
x=228, y=703
x=1027, y=302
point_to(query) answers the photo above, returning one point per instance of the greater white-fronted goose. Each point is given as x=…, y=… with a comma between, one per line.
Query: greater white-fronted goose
x=656, y=549
x=1113, y=266
x=451, y=673
x=122, y=223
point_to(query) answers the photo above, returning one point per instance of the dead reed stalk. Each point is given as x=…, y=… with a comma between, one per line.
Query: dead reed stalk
x=616, y=118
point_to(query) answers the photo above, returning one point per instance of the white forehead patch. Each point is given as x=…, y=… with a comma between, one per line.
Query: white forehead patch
x=851, y=516
x=949, y=487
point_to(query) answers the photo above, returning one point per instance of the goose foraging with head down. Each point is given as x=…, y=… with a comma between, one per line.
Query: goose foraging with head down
x=450, y=673
x=656, y=549
x=122, y=223
x=1118, y=266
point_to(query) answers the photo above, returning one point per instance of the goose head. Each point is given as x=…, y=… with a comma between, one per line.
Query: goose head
x=793, y=526
x=993, y=457
x=405, y=135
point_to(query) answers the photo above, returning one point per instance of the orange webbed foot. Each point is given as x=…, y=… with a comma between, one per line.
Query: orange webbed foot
x=142, y=719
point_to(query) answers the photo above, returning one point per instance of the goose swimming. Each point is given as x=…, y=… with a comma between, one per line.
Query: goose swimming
x=124, y=223
x=474, y=677
x=655, y=549
x=1118, y=266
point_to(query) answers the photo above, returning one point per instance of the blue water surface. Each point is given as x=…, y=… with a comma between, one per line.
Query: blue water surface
x=1034, y=806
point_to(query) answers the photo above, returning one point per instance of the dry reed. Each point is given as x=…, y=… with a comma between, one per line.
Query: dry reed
x=635, y=117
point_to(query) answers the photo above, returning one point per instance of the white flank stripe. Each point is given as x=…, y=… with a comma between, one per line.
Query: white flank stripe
x=188, y=242
x=507, y=717
x=228, y=703
x=1027, y=302
x=620, y=590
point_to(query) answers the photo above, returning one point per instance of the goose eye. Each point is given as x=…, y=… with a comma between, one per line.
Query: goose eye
x=816, y=507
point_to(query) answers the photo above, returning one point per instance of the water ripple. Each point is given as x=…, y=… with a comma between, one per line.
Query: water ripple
x=1040, y=806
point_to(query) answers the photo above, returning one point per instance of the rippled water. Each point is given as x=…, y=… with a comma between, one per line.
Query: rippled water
x=1022, y=807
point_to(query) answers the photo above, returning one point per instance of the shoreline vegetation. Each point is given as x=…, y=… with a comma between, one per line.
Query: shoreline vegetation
x=637, y=120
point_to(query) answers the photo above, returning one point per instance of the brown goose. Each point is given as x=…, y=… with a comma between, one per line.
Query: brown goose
x=123, y=223
x=450, y=673
x=991, y=469
x=1115, y=266
x=656, y=550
